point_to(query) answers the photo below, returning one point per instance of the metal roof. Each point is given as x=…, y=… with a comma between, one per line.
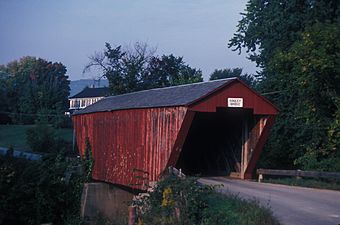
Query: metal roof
x=92, y=92
x=160, y=97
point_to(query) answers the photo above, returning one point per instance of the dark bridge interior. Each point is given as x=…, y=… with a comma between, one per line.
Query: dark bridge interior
x=214, y=143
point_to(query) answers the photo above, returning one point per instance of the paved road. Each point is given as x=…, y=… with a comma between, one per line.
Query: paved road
x=22, y=154
x=291, y=205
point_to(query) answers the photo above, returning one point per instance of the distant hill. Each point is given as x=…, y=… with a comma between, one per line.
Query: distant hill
x=78, y=85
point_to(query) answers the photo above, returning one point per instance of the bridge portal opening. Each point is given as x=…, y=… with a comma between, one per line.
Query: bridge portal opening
x=214, y=143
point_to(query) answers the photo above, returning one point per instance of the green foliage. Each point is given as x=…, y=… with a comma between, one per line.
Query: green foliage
x=297, y=45
x=43, y=138
x=61, y=121
x=3, y=94
x=35, y=192
x=40, y=138
x=185, y=201
x=310, y=101
x=225, y=73
x=270, y=26
x=186, y=195
x=169, y=70
x=236, y=72
x=34, y=86
x=88, y=161
x=137, y=68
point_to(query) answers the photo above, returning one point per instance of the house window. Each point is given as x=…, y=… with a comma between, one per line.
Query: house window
x=83, y=103
x=76, y=104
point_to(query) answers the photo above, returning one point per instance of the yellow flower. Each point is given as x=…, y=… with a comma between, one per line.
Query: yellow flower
x=167, y=197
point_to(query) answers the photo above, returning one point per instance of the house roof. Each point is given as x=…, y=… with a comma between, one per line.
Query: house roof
x=160, y=97
x=92, y=92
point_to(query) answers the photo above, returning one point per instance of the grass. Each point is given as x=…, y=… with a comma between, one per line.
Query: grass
x=231, y=209
x=15, y=135
x=305, y=182
x=65, y=133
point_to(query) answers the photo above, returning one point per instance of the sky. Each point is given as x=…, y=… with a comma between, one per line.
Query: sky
x=69, y=31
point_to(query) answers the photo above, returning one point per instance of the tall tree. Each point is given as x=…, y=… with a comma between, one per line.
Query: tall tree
x=137, y=68
x=270, y=26
x=235, y=72
x=169, y=70
x=308, y=81
x=36, y=86
x=123, y=68
x=296, y=43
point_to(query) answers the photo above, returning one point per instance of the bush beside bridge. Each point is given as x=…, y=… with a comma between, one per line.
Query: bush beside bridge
x=185, y=201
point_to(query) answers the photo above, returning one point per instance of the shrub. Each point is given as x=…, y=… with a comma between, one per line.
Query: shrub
x=43, y=138
x=185, y=201
x=35, y=192
x=62, y=121
x=174, y=201
x=88, y=161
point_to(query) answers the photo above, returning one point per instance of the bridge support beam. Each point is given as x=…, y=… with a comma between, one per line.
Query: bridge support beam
x=257, y=138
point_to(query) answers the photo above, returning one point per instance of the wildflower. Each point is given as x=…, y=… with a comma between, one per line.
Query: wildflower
x=167, y=197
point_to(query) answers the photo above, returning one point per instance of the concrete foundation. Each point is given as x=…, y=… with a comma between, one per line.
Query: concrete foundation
x=105, y=201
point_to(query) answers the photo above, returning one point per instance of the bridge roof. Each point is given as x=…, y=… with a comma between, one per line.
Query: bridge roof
x=181, y=95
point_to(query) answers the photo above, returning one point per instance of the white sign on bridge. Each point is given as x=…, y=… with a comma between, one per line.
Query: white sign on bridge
x=235, y=102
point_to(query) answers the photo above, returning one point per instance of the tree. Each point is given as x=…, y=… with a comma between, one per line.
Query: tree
x=296, y=43
x=123, y=68
x=270, y=26
x=169, y=70
x=310, y=101
x=235, y=72
x=136, y=68
x=4, y=118
x=36, y=86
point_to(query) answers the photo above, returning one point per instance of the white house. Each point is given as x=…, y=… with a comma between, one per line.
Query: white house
x=87, y=97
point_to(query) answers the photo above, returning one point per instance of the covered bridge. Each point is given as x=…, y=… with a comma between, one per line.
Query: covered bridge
x=209, y=128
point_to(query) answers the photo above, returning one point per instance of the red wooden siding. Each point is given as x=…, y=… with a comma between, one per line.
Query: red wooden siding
x=130, y=144
x=236, y=89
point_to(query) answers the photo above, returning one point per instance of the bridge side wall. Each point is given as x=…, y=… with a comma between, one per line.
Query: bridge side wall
x=130, y=147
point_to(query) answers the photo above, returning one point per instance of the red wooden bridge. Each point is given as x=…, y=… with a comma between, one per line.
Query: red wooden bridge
x=210, y=128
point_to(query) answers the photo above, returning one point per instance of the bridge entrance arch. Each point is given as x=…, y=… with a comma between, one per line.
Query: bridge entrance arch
x=216, y=142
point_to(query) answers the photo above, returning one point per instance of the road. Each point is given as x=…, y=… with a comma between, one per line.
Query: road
x=290, y=205
x=22, y=154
